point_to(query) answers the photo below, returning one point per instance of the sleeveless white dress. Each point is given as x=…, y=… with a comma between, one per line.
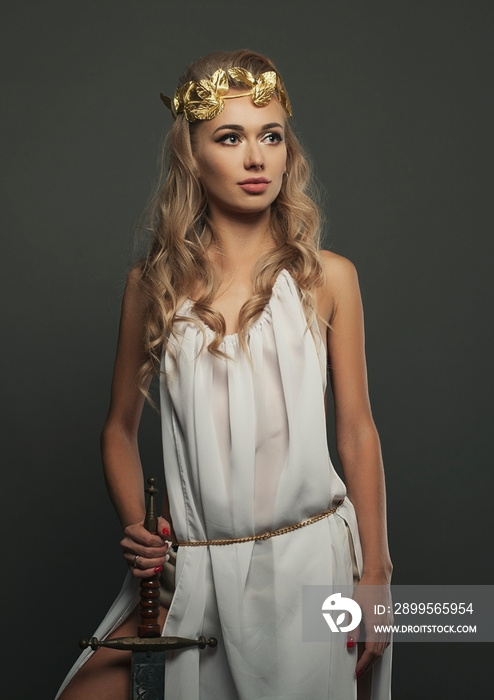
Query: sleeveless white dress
x=245, y=452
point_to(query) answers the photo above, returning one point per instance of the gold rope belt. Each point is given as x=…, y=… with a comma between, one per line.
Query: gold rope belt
x=262, y=536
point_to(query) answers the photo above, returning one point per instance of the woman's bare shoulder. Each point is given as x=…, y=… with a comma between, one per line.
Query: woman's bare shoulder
x=134, y=276
x=133, y=294
x=337, y=269
x=340, y=279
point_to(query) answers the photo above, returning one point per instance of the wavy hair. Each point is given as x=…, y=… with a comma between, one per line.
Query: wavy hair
x=177, y=266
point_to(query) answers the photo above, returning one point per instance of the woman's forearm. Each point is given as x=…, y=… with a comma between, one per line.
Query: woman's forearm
x=360, y=455
x=123, y=473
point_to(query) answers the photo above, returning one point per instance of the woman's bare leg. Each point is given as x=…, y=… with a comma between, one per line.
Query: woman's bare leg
x=106, y=675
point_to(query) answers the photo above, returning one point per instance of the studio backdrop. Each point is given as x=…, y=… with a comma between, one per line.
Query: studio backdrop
x=393, y=101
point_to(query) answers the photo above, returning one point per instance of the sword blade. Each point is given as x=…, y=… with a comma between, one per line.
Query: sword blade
x=147, y=675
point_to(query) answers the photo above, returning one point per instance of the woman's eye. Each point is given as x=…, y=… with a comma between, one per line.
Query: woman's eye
x=229, y=139
x=273, y=137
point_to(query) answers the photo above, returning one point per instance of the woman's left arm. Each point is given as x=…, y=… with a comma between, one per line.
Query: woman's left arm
x=357, y=440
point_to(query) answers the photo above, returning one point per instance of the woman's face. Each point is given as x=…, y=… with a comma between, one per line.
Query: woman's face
x=240, y=156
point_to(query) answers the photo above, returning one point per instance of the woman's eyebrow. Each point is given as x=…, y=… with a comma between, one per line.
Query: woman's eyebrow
x=238, y=127
x=234, y=127
x=271, y=126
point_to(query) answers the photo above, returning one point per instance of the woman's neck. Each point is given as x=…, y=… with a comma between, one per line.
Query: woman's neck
x=240, y=240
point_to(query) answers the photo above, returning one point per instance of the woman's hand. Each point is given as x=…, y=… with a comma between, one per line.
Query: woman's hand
x=145, y=552
x=370, y=592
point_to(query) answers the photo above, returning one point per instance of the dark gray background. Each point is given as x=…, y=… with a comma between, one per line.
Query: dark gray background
x=393, y=99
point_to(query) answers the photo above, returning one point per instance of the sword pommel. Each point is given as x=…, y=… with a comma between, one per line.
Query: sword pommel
x=151, y=519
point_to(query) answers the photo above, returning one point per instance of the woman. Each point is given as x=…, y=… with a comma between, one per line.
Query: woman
x=238, y=311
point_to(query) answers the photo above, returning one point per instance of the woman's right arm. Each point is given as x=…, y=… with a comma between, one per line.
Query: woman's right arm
x=119, y=446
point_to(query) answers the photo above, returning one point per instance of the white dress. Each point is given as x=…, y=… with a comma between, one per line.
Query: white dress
x=245, y=452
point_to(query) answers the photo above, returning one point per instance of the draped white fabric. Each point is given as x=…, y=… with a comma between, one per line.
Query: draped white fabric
x=245, y=452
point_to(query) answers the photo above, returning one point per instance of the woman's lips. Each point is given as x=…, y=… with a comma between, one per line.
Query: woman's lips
x=254, y=185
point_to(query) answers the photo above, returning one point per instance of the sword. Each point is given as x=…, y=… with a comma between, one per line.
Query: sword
x=147, y=672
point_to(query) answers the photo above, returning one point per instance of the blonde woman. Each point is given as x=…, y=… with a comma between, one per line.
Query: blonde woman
x=239, y=314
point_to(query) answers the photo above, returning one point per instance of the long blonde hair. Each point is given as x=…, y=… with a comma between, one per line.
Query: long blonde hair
x=177, y=264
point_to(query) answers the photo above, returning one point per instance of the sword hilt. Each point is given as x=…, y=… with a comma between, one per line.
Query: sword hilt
x=150, y=587
x=149, y=633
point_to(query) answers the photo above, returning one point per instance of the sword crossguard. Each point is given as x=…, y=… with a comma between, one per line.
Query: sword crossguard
x=149, y=644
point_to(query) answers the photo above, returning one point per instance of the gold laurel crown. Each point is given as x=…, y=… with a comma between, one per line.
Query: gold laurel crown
x=205, y=99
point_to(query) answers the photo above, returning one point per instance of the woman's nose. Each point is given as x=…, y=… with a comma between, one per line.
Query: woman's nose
x=253, y=158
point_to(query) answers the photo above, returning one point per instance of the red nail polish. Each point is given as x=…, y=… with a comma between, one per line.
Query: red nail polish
x=350, y=643
x=158, y=569
x=360, y=673
x=165, y=531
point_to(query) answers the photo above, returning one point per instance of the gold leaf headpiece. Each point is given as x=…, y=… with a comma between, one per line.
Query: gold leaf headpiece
x=205, y=99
